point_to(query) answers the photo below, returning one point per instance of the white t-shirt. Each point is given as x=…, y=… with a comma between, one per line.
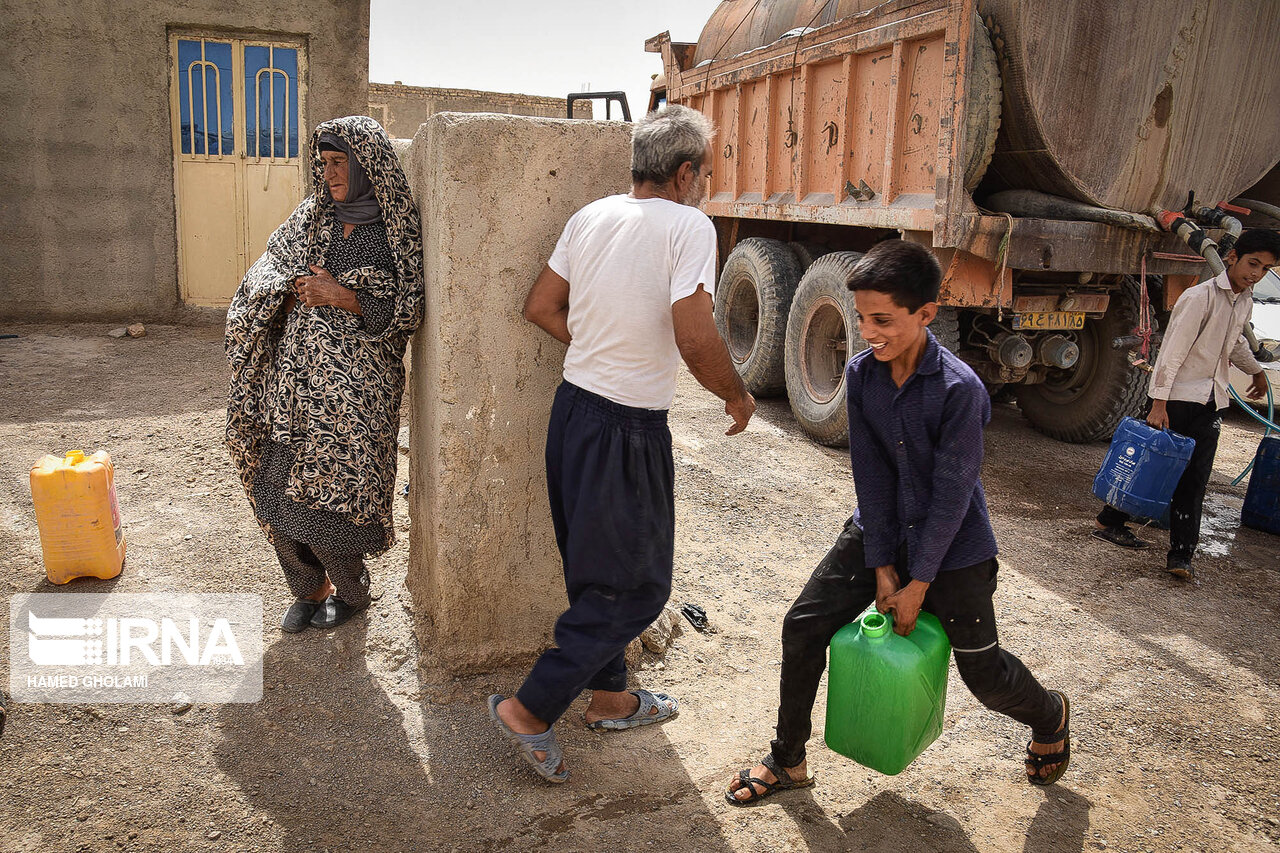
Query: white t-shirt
x=627, y=261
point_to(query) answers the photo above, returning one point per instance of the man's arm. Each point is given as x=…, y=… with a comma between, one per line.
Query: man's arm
x=708, y=359
x=547, y=305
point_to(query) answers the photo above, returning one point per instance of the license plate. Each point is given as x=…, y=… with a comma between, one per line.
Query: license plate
x=1037, y=320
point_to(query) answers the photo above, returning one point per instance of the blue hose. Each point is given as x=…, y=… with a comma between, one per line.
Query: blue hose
x=1269, y=422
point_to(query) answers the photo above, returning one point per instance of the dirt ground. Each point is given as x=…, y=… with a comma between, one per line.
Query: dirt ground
x=1174, y=687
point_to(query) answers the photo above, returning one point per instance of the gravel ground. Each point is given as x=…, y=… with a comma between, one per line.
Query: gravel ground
x=1174, y=687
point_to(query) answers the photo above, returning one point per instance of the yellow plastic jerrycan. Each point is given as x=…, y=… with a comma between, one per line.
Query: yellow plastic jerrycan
x=78, y=516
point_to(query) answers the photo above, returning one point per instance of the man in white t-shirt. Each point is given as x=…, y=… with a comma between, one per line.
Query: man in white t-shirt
x=628, y=288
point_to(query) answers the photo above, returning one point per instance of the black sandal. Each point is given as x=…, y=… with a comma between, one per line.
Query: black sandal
x=1062, y=759
x=784, y=783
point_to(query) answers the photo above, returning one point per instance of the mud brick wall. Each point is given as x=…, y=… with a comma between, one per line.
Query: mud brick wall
x=495, y=192
x=402, y=108
x=88, y=217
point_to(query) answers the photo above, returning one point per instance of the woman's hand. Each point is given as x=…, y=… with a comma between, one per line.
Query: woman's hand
x=323, y=289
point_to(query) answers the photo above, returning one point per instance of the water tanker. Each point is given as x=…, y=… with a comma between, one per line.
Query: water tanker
x=1046, y=155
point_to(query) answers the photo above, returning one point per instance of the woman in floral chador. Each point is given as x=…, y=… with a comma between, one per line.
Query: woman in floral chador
x=316, y=336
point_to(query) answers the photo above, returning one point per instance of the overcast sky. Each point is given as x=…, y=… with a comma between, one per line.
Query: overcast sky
x=541, y=47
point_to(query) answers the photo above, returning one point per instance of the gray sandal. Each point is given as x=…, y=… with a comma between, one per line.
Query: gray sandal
x=667, y=707
x=527, y=745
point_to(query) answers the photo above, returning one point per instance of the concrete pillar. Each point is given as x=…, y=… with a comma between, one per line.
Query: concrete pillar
x=495, y=192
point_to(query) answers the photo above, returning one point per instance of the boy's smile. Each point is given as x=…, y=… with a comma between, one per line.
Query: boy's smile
x=893, y=333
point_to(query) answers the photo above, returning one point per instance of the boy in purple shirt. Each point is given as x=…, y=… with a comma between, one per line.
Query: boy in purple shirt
x=920, y=537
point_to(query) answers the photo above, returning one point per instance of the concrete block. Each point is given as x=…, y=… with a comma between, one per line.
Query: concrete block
x=403, y=149
x=495, y=192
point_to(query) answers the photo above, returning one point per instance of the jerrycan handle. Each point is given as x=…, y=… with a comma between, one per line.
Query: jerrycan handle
x=875, y=624
x=74, y=457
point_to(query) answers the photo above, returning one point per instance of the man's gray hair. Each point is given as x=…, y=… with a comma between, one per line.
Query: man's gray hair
x=664, y=139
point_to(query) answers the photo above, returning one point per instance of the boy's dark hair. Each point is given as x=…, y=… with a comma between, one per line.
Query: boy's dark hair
x=1258, y=240
x=908, y=272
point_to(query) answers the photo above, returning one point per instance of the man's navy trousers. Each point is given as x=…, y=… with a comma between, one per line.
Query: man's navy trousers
x=610, y=478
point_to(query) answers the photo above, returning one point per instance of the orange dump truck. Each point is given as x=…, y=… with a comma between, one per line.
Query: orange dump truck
x=1044, y=152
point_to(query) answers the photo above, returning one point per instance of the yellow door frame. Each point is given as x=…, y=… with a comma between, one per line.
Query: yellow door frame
x=246, y=245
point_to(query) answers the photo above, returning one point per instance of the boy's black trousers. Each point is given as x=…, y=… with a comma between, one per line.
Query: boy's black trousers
x=842, y=586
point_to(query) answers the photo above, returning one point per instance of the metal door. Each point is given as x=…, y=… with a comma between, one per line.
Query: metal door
x=236, y=107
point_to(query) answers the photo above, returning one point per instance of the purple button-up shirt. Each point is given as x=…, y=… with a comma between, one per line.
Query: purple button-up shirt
x=916, y=454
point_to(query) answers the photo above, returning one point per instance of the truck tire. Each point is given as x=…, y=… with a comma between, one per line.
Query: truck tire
x=822, y=333
x=753, y=298
x=807, y=253
x=946, y=327
x=1087, y=402
x=982, y=112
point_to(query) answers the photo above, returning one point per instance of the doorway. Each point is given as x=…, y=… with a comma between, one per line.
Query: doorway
x=236, y=106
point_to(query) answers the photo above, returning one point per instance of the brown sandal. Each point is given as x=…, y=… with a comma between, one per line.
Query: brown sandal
x=784, y=783
x=1061, y=758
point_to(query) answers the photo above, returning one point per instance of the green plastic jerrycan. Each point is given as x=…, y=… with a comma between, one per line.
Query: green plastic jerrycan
x=886, y=694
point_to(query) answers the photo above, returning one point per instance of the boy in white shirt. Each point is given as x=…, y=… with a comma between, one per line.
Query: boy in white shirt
x=1189, y=387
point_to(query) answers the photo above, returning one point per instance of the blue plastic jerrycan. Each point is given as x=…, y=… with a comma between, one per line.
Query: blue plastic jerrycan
x=886, y=694
x=1142, y=468
x=1262, y=500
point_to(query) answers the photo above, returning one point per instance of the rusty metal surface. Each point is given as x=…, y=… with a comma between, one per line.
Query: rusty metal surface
x=1090, y=303
x=855, y=35
x=901, y=216
x=739, y=26
x=1185, y=90
x=840, y=126
x=1044, y=244
x=970, y=280
x=1175, y=286
x=862, y=123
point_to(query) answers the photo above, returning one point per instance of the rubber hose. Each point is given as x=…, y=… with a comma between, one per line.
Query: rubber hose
x=1269, y=422
x=1233, y=227
x=1210, y=253
x=1045, y=206
x=1260, y=207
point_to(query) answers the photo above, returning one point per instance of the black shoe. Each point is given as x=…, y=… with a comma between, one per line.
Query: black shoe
x=333, y=612
x=1180, y=568
x=1121, y=536
x=299, y=615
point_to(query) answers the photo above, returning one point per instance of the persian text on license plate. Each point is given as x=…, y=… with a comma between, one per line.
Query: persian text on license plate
x=1037, y=320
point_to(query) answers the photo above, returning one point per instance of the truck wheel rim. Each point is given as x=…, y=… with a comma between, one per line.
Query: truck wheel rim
x=742, y=319
x=823, y=349
x=1066, y=386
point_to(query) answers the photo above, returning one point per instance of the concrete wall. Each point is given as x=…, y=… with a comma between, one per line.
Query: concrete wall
x=495, y=192
x=88, y=212
x=406, y=107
